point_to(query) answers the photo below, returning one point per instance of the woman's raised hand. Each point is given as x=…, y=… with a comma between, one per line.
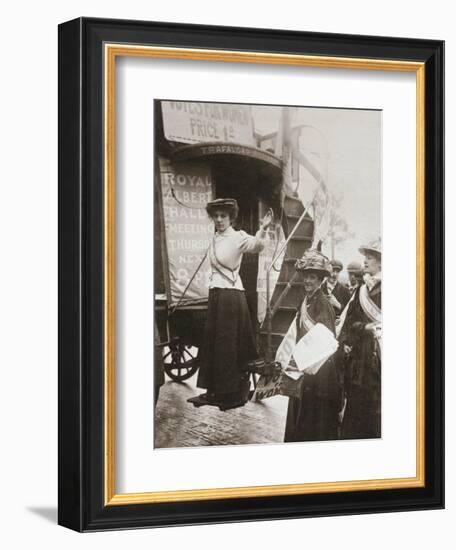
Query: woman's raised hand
x=266, y=221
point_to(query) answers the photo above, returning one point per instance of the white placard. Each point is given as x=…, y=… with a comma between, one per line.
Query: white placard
x=195, y=122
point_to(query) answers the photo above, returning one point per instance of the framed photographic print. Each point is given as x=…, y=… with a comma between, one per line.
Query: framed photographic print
x=250, y=274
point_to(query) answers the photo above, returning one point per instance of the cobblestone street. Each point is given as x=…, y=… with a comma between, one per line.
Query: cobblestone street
x=180, y=424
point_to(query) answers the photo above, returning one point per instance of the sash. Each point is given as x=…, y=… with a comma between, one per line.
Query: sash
x=341, y=321
x=307, y=322
x=374, y=313
x=232, y=274
x=369, y=307
x=288, y=344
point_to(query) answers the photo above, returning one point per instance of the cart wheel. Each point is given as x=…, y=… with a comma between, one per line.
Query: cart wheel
x=180, y=361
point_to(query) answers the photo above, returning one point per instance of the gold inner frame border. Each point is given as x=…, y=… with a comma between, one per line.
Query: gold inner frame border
x=111, y=53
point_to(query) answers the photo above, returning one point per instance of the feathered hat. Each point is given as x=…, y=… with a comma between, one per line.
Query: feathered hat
x=313, y=260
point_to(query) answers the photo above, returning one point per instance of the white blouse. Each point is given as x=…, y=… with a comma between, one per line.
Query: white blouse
x=225, y=255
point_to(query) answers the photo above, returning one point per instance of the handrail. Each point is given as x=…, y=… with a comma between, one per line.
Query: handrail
x=269, y=312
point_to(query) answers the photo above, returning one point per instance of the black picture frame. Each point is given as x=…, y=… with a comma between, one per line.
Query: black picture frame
x=81, y=473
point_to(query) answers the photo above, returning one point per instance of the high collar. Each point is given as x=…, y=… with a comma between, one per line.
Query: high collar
x=373, y=280
x=228, y=231
x=331, y=286
x=312, y=298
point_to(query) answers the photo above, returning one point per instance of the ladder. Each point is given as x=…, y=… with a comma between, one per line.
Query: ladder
x=289, y=290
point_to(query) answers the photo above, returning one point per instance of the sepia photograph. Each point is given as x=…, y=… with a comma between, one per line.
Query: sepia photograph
x=268, y=274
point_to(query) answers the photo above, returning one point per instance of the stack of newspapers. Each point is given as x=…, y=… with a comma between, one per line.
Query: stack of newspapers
x=311, y=351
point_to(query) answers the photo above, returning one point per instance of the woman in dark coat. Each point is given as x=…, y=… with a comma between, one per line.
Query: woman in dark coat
x=314, y=415
x=229, y=342
x=360, y=352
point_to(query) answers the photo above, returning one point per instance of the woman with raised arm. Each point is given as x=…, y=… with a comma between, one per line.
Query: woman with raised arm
x=229, y=341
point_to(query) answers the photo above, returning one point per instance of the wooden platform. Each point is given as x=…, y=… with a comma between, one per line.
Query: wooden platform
x=180, y=424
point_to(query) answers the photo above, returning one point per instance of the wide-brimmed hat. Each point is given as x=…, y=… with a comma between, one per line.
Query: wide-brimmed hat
x=230, y=205
x=313, y=260
x=373, y=246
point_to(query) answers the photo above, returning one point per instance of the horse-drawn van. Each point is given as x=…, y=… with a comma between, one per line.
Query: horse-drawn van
x=209, y=150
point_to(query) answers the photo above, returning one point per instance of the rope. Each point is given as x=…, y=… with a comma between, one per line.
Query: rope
x=173, y=193
x=189, y=283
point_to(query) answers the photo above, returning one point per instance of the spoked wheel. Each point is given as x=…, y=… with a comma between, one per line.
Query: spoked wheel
x=181, y=361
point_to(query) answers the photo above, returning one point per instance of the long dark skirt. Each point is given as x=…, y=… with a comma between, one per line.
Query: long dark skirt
x=362, y=419
x=314, y=416
x=228, y=342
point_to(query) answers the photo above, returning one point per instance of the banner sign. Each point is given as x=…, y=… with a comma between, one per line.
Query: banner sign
x=273, y=243
x=192, y=122
x=268, y=386
x=186, y=188
x=186, y=153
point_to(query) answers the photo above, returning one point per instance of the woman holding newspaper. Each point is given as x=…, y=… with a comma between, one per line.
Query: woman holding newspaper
x=313, y=414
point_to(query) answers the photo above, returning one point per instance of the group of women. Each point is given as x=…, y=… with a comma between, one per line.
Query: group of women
x=342, y=400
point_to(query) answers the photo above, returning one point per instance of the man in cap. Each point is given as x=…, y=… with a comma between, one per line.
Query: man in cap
x=337, y=294
x=355, y=276
x=360, y=351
